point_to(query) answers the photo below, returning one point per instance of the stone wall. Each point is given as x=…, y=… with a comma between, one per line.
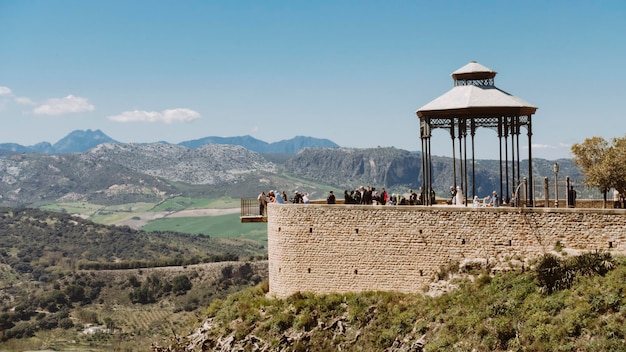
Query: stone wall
x=351, y=248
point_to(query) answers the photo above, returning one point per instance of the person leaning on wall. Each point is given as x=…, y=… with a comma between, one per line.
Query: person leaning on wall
x=331, y=198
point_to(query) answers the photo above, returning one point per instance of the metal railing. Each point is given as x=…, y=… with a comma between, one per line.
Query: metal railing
x=250, y=207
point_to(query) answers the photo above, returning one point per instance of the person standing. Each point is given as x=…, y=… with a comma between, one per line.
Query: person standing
x=278, y=197
x=262, y=203
x=452, y=195
x=460, y=198
x=412, y=197
x=331, y=198
x=495, y=200
x=571, y=197
x=384, y=197
x=347, y=197
x=476, y=202
x=297, y=199
x=367, y=196
x=421, y=200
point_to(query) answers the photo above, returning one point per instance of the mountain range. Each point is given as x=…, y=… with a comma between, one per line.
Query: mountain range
x=80, y=141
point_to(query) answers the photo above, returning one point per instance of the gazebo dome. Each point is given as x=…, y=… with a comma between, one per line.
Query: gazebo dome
x=473, y=71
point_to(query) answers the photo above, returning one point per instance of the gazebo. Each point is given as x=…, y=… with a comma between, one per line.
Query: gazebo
x=475, y=102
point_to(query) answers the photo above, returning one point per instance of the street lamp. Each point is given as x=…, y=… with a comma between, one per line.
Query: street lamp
x=556, y=185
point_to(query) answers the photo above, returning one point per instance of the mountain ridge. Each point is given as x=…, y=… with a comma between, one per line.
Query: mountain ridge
x=79, y=141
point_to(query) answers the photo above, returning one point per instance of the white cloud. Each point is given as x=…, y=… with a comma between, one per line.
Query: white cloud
x=24, y=101
x=5, y=91
x=543, y=146
x=60, y=106
x=166, y=116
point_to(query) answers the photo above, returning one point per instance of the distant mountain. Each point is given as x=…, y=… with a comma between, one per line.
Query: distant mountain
x=77, y=141
x=80, y=141
x=11, y=148
x=290, y=146
x=247, y=142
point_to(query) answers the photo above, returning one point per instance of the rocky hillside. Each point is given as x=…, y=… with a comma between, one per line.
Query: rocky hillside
x=400, y=170
x=210, y=164
x=125, y=173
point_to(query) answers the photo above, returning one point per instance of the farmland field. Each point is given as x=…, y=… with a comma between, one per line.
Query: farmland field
x=226, y=226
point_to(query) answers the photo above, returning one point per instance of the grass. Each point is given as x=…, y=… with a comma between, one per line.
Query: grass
x=113, y=214
x=181, y=203
x=109, y=215
x=223, y=226
x=73, y=208
x=101, y=214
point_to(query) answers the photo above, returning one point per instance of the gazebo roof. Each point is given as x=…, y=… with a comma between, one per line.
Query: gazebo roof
x=475, y=100
x=473, y=67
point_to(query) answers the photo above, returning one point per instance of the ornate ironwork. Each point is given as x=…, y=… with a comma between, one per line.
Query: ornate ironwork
x=487, y=82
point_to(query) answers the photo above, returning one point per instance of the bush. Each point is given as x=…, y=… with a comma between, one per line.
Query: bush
x=553, y=274
x=593, y=263
x=181, y=284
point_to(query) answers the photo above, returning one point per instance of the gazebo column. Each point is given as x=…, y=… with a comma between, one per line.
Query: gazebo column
x=430, y=169
x=473, y=134
x=506, y=156
x=531, y=186
x=460, y=136
x=501, y=132
x=452, y=135
x=512, y=133
x=426, y=156
x=518, y=131
x=464, y=187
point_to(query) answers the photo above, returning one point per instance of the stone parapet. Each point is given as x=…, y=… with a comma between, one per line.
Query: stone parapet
x=353, y=248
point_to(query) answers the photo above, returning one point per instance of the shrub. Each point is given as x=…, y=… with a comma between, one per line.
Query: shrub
x=552, y=274
x=592, y=263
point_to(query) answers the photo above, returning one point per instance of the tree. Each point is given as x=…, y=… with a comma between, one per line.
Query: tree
x=181, y=284
x=603, y=164
x=75, y=293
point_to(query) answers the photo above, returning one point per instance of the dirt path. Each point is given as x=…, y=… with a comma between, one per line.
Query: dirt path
x=141, y=219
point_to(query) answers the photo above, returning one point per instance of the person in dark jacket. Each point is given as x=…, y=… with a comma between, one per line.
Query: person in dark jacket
x=331, y=198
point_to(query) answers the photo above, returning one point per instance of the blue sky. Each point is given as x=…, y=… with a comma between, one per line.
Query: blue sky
x=354, y=72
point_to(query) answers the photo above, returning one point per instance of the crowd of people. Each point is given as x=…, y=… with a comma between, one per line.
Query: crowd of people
x=280, y=198
x=363, y=195
x=370, y=195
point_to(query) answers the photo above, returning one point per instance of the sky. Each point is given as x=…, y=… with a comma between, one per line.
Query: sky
x=353, y=72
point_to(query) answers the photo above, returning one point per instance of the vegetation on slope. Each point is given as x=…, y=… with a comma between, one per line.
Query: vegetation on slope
x=32, y=240
x=574, y=304
x=47, y=297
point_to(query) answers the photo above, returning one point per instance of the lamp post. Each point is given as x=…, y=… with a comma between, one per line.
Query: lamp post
x=556, y=185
